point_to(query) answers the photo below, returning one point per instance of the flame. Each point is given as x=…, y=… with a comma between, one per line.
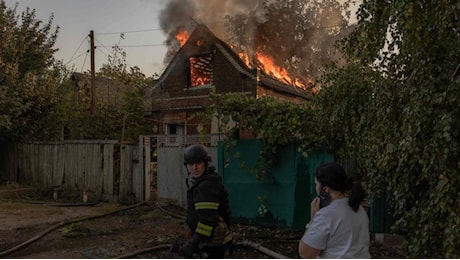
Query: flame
x=267, y=64
x=245, y=58
x=182, y=37
x=200, y=70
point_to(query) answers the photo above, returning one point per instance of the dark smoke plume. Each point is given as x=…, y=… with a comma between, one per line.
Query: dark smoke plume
x=299, y=34
x=185, y=14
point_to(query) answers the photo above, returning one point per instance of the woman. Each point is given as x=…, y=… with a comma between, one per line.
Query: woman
x=340, y=228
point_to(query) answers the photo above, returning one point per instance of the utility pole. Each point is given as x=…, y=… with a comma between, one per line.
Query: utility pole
x=93, y=74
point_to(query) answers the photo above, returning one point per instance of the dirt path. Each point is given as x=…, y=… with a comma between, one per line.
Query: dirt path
x=121, y=233
x=16, y=215
x=110, y=236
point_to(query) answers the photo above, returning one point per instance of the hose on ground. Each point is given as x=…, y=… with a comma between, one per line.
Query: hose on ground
x=246, y=243
x=253, y=245
x=261, y=249
x=170, y=213
x=61, y=224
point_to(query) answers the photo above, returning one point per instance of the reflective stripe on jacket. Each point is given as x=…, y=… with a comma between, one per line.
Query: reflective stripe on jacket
x=208, y=208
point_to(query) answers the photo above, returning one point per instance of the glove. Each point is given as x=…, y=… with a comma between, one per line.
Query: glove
x=188, y=248
x=176, y=247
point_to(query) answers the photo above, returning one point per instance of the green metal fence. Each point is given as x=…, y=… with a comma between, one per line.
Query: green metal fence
x=381, y=218
x=277, y=194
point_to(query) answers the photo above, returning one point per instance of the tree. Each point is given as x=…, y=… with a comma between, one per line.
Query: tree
x=120, y=105
x=36, y=99
x=134, y=123
x=301, y=34
x=396, y=108
x=29, y=78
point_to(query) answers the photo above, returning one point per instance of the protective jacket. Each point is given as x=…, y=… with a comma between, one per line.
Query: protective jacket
x=208, y=209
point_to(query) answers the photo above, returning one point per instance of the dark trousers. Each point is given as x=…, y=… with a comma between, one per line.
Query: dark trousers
x=217, y=252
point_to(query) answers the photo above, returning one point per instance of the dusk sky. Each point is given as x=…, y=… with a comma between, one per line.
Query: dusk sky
x=137, y=19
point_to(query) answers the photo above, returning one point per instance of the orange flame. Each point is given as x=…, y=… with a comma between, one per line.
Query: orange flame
x=245, y=58
x=200, y=70
x=182, y=37
x=265, y=63
x=268, y=65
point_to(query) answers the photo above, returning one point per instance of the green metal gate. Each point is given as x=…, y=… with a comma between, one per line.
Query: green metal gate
x=282, y=196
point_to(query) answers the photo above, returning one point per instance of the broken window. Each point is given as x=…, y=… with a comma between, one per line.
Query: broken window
x=200, y=69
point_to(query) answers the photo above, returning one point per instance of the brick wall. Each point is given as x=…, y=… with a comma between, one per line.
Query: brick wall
x=229, y=75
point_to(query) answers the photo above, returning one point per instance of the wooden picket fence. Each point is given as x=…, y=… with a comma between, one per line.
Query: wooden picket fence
x=101, y=169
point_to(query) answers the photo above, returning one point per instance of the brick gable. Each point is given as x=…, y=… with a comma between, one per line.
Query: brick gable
x=174, y=93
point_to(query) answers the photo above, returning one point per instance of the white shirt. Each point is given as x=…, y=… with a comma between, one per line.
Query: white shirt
x=339, y=231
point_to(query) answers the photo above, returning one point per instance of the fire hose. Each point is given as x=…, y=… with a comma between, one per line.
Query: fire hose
x=253, y=245
x=246, y=243
x=262, y=249
x=61, y=224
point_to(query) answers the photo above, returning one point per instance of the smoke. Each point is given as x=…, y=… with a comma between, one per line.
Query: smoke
x=175, y=17
x=186, y=14
x=299, y=34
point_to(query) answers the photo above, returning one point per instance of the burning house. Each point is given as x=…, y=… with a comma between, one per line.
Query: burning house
x=205, y=64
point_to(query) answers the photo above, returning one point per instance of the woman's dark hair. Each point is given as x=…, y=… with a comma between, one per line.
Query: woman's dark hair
x=334, y=176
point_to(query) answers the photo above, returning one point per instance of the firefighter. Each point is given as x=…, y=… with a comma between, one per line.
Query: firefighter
x=208, y=209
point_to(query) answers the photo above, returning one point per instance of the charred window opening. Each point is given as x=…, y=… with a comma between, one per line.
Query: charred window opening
x=200, y=70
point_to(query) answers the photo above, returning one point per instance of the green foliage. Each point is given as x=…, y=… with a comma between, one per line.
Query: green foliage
x=275, y=123
x=301, y=34
x=262, y=210
x=122, y=120
x=37, y=104
x=134, y=96
x=29, y=76
x=75, y=230
x=396, y=108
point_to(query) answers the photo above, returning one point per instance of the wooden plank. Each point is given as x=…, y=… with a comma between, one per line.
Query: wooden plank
x=137, y=173
x=125, y=173
x=147, y=175
x=78, y=165
x=108, y=177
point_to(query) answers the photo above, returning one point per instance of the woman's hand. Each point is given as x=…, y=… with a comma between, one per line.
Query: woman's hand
x=314, y=207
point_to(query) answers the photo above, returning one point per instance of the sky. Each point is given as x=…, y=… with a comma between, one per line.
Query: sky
x=131, y=24
x=143, y=39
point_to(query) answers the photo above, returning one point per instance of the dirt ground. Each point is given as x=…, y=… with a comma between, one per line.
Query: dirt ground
x=36, y=226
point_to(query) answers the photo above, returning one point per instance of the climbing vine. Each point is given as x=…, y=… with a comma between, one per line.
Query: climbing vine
x=273, y=122
x=395, y=107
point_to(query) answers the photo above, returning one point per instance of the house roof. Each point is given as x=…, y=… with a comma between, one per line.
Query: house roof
x=264, y=80
x=109, y=90
x=100, y=81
